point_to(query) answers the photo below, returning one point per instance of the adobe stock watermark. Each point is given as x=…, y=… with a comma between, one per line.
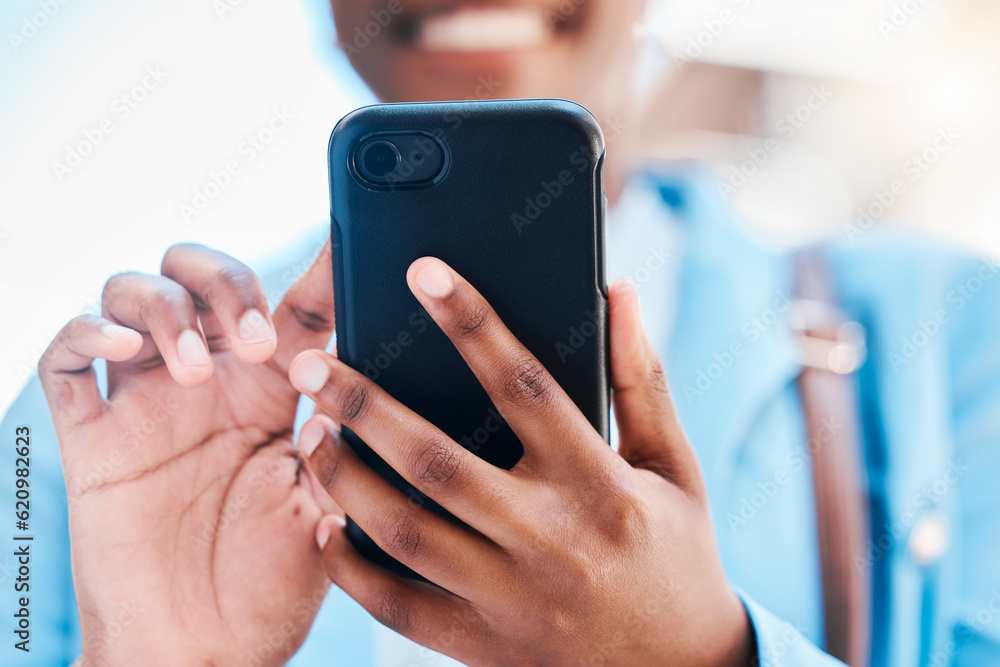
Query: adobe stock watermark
x=769, y=653
x=364, y=35
x=655, y=260
x=121, y=108
x=550, y=191
x=901, y=14
x=426, y=148
x=84, y=482
x=373, y=367
x=28, y=367
x=235, y=505
x=636, y=623
x=472, y=441
x=486, y=85
x=578, y=336
x=607, y=647
x=32, y=24
x=218, y=180
x=786, y=127
x=282, y=640
x=480, y=436
x=711, y=30
x=913, y=170
x=557, y=16
x=224, y=8
x=296, y=271
x=929, y=497
x=112, y=630
x=957, y=298
x=751, y=332
x=275, y=643
x=971, y=629
x=751, y=505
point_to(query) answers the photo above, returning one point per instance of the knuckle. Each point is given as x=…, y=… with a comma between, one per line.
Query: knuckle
x=232, y=278
x=391, y=610
x=116, y=284
x=170, y=257
x=177, y=248
x=354, y=398
x=658, y=377
x=153, y=305
x=177, y=254
x=624, y=515
x=470, y=623
x=473, y=320
x=403, y=535
x=228, y=283
x=327, y=468
x=334, y=565
x=527, y=382
x=436, y=463
x=74, y=330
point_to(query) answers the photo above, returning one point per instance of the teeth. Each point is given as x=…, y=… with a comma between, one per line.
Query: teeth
x=482, y=29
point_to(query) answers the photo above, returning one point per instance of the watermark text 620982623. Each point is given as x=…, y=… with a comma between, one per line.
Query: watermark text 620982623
x=22, y=541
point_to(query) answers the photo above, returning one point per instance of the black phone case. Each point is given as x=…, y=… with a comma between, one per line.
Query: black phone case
x=519, y=212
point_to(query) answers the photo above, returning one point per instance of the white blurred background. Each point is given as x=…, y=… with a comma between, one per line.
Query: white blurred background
x=884, y=78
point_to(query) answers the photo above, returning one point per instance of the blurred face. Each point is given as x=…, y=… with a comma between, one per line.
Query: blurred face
x=418, y=50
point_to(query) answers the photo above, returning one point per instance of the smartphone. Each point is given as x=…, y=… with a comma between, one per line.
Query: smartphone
x=508, y=193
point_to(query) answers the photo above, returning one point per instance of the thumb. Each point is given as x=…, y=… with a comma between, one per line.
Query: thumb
x=650, y=433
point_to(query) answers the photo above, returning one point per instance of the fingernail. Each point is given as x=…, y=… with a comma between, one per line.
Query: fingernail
x=191, y=350
x=113, y=331
x=309, y=438
x=323, y=533
x=254, y=327
x=435, y=280
x=309, y=373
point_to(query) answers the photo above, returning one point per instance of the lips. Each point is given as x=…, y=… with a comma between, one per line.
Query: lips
x=473, y=28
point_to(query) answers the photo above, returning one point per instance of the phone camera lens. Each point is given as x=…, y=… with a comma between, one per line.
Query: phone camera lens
x=379, y=160
x=402, y=159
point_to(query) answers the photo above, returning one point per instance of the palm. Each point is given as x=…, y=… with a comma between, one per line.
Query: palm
x=206, y=516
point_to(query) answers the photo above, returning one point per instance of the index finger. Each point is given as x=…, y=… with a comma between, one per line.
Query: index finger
x=461, y=482
x=524, y=392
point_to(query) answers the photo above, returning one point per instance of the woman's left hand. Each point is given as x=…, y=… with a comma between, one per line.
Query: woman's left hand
x=576, y=556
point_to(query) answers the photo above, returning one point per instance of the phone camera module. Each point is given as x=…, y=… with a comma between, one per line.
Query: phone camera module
x=400, y=160
x=379, y=160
